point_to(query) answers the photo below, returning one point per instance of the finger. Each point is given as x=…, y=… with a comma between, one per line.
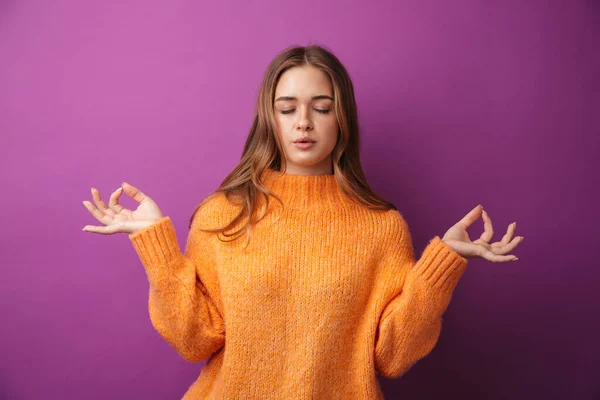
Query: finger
x=503, y=248
x=114, y=201
x=100, y=205
x=490, y=256
x=99, y=215
x=133, y=192
x=471, y=217
x=488, y=232
x=104, y=230
x=509, y=233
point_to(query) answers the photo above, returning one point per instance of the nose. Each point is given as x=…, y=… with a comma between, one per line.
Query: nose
x=304, y=124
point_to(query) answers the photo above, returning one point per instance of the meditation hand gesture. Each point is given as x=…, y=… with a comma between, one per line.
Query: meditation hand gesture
x=458, y=239
x=118, y=218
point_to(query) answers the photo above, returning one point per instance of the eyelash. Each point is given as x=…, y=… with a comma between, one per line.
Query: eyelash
x=290, y=111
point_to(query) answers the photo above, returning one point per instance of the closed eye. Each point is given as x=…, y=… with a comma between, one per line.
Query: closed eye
x=291, y=111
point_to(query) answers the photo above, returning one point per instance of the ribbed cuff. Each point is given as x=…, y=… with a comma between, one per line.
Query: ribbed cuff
x=440, y=266
x=156, y=244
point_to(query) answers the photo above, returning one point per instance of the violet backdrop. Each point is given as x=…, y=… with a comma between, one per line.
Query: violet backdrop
x=460, y=103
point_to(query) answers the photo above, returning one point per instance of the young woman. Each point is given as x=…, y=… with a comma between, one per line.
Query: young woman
x=297, y=281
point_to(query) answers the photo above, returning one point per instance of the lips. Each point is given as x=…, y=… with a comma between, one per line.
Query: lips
x=304, y=140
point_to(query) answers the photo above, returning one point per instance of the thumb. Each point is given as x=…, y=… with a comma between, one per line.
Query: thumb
x=133, y=192
x=471, y=217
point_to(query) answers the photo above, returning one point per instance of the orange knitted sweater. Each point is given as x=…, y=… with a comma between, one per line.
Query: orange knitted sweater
x=327, y=294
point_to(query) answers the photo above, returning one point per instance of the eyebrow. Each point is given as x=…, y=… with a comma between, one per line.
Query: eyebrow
x=319, y=97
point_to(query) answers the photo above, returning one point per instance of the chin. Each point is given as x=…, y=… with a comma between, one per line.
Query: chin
x=306, y=162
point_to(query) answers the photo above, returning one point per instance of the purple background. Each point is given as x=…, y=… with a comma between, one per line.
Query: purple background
x=475, y=102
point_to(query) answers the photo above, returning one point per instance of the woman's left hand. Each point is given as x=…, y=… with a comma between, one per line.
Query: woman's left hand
x=458, y=239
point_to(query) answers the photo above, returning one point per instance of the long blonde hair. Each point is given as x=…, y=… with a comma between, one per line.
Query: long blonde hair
x=263, y=149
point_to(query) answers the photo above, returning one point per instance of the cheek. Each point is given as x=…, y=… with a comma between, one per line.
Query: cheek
x=281, y=125
x=331, y=127
x=278, y=126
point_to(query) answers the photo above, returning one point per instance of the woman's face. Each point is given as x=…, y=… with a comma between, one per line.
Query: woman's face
x=304, y=108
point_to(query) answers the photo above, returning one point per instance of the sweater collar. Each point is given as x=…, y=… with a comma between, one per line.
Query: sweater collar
x=304, y=191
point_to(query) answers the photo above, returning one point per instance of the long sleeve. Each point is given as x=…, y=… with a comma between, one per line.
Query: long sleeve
x=180, y=306
x=410, y=324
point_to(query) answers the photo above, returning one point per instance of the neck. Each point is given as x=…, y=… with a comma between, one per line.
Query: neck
x=304, y=192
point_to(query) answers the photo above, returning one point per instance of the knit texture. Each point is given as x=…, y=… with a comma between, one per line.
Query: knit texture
x=326, y=295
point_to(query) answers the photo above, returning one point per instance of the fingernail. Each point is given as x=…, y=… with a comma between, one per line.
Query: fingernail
x=515, y=259
x=93, y=189
x=119, y=189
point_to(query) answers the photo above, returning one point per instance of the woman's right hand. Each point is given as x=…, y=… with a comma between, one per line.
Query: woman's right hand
x=117, y=218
